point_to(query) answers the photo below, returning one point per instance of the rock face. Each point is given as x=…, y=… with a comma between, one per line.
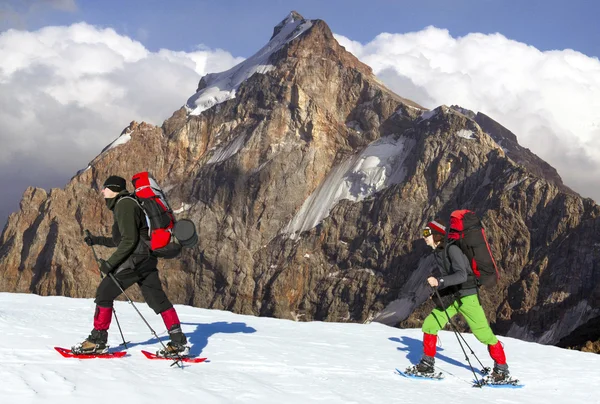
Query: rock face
x=309, y=182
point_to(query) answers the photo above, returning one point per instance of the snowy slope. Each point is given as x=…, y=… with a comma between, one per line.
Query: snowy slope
x=260, y=360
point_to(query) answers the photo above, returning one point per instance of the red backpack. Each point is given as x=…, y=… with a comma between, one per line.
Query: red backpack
x=167, y=235
x=467, y=232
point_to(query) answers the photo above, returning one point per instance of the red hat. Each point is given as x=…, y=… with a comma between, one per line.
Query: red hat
x=437, y=226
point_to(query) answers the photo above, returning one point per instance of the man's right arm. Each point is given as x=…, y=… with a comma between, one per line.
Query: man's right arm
x=98, y=240
x=104, y=241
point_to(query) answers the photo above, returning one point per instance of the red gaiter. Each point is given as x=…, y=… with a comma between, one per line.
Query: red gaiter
x=102, y=318
x=429, y=343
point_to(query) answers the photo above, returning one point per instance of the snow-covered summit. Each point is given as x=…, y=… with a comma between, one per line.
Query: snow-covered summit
x=290, y=19
x=216, y=88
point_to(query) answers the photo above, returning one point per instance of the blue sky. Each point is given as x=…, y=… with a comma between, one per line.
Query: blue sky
x=241, y=26
x=74, y=73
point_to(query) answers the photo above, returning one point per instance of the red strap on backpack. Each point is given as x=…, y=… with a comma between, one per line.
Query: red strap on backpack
x=153, y=202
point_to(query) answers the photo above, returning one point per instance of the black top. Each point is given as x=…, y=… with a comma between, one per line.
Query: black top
x=130, y=229
x=453, y=272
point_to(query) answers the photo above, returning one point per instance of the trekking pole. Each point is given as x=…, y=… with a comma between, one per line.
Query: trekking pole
x=456, y=333
x=483, y=368
x=179, y=358
x=87, y=232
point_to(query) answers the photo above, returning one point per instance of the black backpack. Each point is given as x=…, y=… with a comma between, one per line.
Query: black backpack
x=167, y=235
x=467, y=232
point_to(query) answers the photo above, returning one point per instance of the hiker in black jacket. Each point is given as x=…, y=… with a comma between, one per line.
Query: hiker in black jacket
x=131, y=263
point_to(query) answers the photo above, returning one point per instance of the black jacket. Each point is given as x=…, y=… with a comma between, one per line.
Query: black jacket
x=454, y=274
x=129, y=231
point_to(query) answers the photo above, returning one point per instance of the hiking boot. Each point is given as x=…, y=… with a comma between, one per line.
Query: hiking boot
x=500, y=373
x=174, y=350
x=178, y=344
x=95, y=343
x=177, y=336
x=425, y=366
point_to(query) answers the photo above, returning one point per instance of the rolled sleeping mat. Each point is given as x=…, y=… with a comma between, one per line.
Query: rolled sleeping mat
x=185, y=233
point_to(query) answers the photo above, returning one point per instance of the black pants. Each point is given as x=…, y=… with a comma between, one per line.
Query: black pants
x=145, y=275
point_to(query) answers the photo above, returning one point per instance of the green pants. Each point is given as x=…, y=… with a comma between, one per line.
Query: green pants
x=471, y=310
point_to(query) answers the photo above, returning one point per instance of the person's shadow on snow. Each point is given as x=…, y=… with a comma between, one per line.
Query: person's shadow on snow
x=198, y=339
x=414, y=349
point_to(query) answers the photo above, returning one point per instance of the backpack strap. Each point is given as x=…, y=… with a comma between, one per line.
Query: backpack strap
x=447, y=245
x=129, y=197
x=132, y=197
x=470, y=273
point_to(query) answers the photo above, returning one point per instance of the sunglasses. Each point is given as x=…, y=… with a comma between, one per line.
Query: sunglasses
x=426, y=233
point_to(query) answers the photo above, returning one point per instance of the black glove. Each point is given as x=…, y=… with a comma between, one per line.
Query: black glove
x=89, y=239
x=105, y=267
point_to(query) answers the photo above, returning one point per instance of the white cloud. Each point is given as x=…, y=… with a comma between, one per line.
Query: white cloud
x=67, y=92
x=550, y=100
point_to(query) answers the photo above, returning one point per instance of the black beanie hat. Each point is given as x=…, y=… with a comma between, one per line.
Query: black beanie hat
x=115, y=183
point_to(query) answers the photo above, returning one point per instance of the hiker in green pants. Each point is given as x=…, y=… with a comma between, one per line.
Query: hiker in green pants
x=457, y=286
x=471, y=310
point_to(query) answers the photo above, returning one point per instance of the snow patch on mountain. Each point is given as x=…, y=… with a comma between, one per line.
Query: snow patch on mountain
x=231, y=148
x=428, y=114
x=380, y=165
x=124, y=138
x=466, y=134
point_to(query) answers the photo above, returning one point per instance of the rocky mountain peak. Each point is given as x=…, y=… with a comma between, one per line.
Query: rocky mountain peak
x=295, y=43
x=309, y=181
x=292, y=17
x=509, y=143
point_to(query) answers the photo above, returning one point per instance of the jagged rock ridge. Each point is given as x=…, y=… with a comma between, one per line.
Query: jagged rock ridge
x=309, y=182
